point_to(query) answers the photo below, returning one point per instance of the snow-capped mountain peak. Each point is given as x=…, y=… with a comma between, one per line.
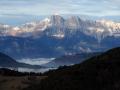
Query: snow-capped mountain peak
x=46, y=20
x=57, y=26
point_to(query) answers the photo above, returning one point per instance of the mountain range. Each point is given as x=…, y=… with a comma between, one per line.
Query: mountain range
x=57, y=36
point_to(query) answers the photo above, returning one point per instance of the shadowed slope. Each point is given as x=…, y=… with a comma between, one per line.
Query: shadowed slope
x=98, y=73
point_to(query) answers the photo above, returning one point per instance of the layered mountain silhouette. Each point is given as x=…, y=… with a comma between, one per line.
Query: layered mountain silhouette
x=97, y=73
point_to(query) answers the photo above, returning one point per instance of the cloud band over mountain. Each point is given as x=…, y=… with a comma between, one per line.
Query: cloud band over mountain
x=45, y=7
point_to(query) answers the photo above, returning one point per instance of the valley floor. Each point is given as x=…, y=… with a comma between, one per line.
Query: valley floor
x=18, y=83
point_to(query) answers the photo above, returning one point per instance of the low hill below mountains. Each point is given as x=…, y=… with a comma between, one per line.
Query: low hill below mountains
x=97, y=73
x=6, y=61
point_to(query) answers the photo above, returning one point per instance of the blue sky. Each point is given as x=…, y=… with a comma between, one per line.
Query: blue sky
x=48, y=7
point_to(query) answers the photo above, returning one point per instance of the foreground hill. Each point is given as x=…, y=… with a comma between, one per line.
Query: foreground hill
x=6, y=61
x=98, y=73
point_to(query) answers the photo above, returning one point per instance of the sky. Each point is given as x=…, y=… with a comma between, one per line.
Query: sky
x=48, y=7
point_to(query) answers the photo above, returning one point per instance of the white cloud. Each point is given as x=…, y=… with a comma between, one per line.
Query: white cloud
x=41, y=7
x=38, y=61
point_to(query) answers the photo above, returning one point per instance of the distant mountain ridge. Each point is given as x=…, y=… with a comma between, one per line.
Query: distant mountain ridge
x=98, y=29
x=56, y=36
